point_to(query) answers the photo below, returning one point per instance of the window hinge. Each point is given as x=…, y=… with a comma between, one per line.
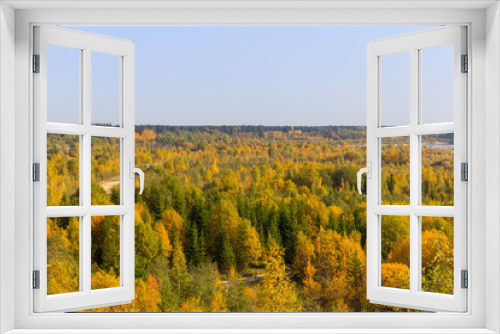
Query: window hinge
x=36, y=172
x=36, y=63
x=465, y=64
x=36, y=279
x=465, y=279
x=464, y=174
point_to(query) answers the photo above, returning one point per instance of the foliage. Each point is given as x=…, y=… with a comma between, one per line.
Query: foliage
x=249, y=218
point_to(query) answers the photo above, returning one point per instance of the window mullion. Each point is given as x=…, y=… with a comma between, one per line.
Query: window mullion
x=86, y=157
x=86, y=153
x=414, y=171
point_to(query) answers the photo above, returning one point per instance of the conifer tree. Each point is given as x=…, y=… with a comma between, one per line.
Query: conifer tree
x=203, y=249
x=227, y=259
x=273, y=221
x=195, y=249
x=111, y=243
x=179, y=272
x=288, y=230
x=147, y=247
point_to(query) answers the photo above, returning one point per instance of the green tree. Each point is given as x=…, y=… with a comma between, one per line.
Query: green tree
x=178, y=272
x=227, y=259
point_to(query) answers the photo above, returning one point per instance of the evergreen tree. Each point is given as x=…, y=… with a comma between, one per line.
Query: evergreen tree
x=115, y=195
x=195, y=247
x=273, y=223
x=147, y=245
x=227, y=259
x=179, y=273
x=203, y=249
x=111, y=244
x=288, y=230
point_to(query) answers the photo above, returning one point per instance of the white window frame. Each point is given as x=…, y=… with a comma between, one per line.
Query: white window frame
x=413, y=44
x=483, y=102
x=86, y=44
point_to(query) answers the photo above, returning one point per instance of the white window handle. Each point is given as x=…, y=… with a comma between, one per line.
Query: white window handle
x=133, y=170
x=368, y=171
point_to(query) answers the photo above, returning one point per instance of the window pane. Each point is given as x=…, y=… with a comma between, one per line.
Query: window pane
x=395, y=170
x=395, y=89
x=437, y=254
x=63, y=170
x=63, y=84
x=63, y=255
x=105, y=171
x=105, y=252
x=437, y=84
x=437, y=169
x=395, y=252
x=105, y=89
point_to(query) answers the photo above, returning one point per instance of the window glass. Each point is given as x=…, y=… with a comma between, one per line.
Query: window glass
x=437, y=254
x=395, y=89
x=436, y=83
x=105, y=171
x=63, y=255
x=438, y=169
x=106, y=106
x=105, y=252
x=395, y=271
x=63, y=170
x=395, y=170
x=63, y=84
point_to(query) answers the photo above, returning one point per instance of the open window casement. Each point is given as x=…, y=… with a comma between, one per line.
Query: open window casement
x=387, y=280
x=57, y=292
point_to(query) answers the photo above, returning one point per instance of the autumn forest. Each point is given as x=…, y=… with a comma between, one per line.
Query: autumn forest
x=250, y=218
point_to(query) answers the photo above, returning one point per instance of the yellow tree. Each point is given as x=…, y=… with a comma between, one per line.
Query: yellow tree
x=437, y=262
x=249, y=248
x=165, y=240
x=225, y=214
x=304, y=252
x=147, y=295
x=341, y=264
x=218, y=303
x=191, y=305
x=148, y=135
x=395, y=275
x=313, y=215
x=174, y=224
x=60, y=278
x=311, y=289
x=62, y=256
x=276, y=292
x=103, y=280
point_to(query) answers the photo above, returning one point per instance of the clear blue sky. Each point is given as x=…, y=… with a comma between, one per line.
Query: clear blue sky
x=256, y=75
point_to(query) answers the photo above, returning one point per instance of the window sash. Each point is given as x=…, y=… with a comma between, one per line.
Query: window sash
x=414, y=297
x=85, y=297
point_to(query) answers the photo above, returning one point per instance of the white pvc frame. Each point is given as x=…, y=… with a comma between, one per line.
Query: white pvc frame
x=414, y=43
x=86, y=297
x=474, y=320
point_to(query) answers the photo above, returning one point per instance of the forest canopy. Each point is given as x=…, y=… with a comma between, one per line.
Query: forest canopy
x=249, y=218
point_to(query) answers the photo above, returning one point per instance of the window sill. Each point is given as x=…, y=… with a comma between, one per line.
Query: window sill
x=250, y=331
